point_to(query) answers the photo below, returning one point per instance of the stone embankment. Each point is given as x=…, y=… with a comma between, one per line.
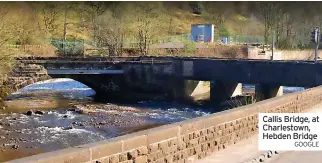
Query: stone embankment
x=21, y=76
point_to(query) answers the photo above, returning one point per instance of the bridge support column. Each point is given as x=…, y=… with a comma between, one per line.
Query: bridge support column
x=220, y=91
x=182, y=89
x=266, y=91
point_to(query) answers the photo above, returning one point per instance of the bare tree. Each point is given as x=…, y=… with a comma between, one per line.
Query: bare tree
x=50, y=14
x=149, y=20
x=7, y=33
x=217, y=13
x=110, y=33
x=94, y=10
x=266, y=10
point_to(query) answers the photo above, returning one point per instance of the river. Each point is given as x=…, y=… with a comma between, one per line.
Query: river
x=57, y=125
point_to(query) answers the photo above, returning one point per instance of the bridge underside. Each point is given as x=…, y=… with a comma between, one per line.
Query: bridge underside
x=118, y=88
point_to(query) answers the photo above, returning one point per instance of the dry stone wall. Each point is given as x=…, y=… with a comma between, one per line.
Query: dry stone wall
x=184, y=141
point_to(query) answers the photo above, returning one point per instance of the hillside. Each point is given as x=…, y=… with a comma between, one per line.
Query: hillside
x=114, y=25
x=40, y=21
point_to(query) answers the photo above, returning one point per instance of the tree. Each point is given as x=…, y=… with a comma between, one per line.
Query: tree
x=149, y=22
x=266, y=11
x=49, y=12
x=93, y=11
x=110, y=33
x=7, y=33
x=217, y=13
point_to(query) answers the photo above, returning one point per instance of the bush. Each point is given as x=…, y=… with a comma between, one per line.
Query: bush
x=189, y=47
x=285, y=44
x=7, y=60
x=4, y=92
x=71, y=47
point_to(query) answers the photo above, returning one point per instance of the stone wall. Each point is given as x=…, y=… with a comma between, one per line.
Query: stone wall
x=21, y=76
x=255, y=53
x=183, y=141
x=299, y=54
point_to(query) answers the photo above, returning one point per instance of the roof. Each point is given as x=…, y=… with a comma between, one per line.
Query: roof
x=200, y=24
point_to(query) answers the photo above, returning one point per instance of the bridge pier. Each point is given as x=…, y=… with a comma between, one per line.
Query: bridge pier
x=182, y=89
x=266, y=91
x=220, y=91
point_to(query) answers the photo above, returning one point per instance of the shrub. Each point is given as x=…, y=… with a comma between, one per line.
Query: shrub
x=189, y=47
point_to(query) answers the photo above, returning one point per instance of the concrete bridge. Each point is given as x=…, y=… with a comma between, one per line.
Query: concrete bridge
x=126, y=77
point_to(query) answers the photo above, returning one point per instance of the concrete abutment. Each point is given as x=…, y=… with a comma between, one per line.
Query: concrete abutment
x=182, y=89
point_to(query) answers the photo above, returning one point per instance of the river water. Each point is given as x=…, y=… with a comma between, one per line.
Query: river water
x=59, y=126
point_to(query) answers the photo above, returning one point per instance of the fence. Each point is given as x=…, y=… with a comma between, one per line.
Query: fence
x=240, y=39
x=70, y=47
x=132, y=42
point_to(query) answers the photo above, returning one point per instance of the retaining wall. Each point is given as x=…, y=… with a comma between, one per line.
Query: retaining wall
x=184, y=141
x=254, y=53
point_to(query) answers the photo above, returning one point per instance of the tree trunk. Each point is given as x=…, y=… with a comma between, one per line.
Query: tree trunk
x=65, y=32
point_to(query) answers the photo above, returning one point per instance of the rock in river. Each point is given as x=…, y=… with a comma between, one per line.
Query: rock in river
x=39, y=112
x=67, y=128
x=15, y=146
x=29, y=112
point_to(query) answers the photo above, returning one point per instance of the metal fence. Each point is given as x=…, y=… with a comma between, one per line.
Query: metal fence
x=240, y=39
x=131, y=42
x=70, y=47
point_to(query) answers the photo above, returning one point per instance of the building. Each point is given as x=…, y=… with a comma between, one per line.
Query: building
x=202, y=32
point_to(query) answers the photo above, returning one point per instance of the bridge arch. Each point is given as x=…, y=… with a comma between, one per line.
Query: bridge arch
x=55, y=85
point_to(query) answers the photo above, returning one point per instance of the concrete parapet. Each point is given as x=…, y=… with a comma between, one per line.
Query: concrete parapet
x=187, y=140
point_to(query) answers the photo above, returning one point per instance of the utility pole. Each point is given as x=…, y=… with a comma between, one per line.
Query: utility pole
x=317, y=44
x=65, y=31
x=315, y=38
x=273, y=33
